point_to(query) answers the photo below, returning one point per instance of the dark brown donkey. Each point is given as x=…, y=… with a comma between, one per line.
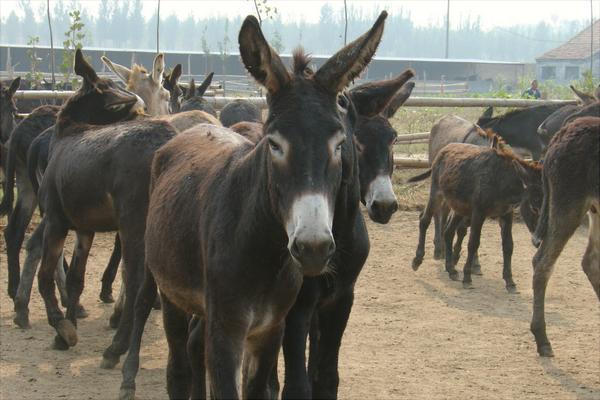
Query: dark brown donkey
x=193, y=97
x=96, y=180
x=232, y=227
x=571, y=185
x=8, y=110
x=478, y=183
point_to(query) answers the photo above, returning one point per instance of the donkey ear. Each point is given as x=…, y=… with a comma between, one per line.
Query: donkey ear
x=372, y=98
x=584, y=97
x=158, y=68
x=200, y=91
x=524, y=175
x=175, y=75
x=261, y=61
x=191, y=90
x=399, y=99
x=488, y=113
x=84, y=69
x=349, y=62
x=14, y=86
x=123, y=73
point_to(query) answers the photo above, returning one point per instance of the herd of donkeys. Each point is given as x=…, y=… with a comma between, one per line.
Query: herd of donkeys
x=249, y=230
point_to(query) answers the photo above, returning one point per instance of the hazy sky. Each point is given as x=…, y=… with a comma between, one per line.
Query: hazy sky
x=423, y=12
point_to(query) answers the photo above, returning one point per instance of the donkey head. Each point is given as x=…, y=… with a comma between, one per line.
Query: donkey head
x=8, y=108
x=175, y=93
x=98, y=101
x=376, y=103
x=533, y=195
x=193, y=96
x=147, y=85
x=304, y=134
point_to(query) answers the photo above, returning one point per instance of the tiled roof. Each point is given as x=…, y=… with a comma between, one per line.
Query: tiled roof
x=578, y=48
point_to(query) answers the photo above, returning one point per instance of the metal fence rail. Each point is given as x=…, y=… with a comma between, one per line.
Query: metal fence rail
x=219, y=102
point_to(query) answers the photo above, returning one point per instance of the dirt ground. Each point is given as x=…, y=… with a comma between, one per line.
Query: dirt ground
x=411, y=335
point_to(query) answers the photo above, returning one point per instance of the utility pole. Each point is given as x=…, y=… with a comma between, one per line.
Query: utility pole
x=52, y=57
x=448, y=26
x=157, y=25
x=345, y=22
x=591, y=38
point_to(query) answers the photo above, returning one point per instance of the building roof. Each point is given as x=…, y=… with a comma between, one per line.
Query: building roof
x=578, y=48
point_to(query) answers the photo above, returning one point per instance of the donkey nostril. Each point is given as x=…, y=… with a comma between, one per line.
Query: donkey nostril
x=296, y=249
x=375, y=207
x=394, y=207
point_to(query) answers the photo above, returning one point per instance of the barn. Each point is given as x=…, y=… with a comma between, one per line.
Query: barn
x=570, y=60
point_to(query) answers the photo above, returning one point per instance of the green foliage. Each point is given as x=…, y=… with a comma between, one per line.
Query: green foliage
x=277, y=42
x=588, y=83
x=74, y=40
x=262, y=8
x=224, y=46
x=34, y=76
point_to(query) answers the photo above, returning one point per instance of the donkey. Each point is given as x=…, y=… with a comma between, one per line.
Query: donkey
x=96, y=180
x=171, y=83
x=239, y=110
x=8, y=111
x=324, y=303
x=282, y=225
x=253, y=131
x=571, y=188
x=519, y=127
x=193, y=97
x=40, y=119
x=477, y=183
x=147, y=85
x=557, y=119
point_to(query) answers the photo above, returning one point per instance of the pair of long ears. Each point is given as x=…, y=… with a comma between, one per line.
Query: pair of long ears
x=14, y=86
x=124, y=73
x=585, y=97
x=193, y=91
x=171, y=80
x=383, y=97
x=265, y=65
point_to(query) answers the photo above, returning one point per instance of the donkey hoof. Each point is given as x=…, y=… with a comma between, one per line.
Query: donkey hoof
x=468, y=285
x=59, y=344
x=417, y=261
x=67, y=331
x=545, y=350
x=512, y=289
x=126, y=394
x=476, y=269
x=106, y=297
x=109, y=363
x=80, y=312
x=22, y=320
x=437, y=255
x=453, y=275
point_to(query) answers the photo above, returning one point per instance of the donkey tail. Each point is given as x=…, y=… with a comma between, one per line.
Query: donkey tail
x=421, y=177
x=32, y=164
x=542, y=225
x=9, y=182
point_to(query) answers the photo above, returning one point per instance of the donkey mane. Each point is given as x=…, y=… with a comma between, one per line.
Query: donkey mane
x=503, y=149
x=301, y=60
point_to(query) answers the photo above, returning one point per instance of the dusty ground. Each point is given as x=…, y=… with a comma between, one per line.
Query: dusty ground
x=412, y=335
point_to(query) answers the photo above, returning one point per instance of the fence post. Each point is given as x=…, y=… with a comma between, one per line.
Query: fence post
x=442, y=84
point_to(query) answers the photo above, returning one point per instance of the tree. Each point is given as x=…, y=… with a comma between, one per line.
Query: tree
x=224, y=47
x=205, y=49
x=34, y=76
x=75, y=36
x=277, y=42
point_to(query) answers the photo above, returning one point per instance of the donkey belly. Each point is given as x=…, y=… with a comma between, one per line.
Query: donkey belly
x=96, y=214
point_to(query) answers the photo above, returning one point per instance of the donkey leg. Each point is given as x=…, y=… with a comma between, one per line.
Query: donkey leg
x=424, y=221
x=143, y=306
x=507, y=250
x=53, y=242
x=111, y=272
x=225, y=338
x=114, y=319
x=591, y=258
x=34, y=255
x=561, y=226
x=179, y=373
x=333, y=319
x=60, y=277
x=76, y=274
x=454, y=221
x=297, y=324
x=14, y=233
x=474, y=237
x=196, y=354
x=461, y=232
x=261, y=359
x=439, y=222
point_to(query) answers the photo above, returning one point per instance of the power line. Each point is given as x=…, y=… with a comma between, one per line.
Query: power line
x=529, y=37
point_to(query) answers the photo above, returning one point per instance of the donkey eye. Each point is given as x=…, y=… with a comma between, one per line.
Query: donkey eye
x=274, y=146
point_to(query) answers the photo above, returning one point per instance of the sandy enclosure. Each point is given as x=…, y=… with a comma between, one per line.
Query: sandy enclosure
x=411, y=335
